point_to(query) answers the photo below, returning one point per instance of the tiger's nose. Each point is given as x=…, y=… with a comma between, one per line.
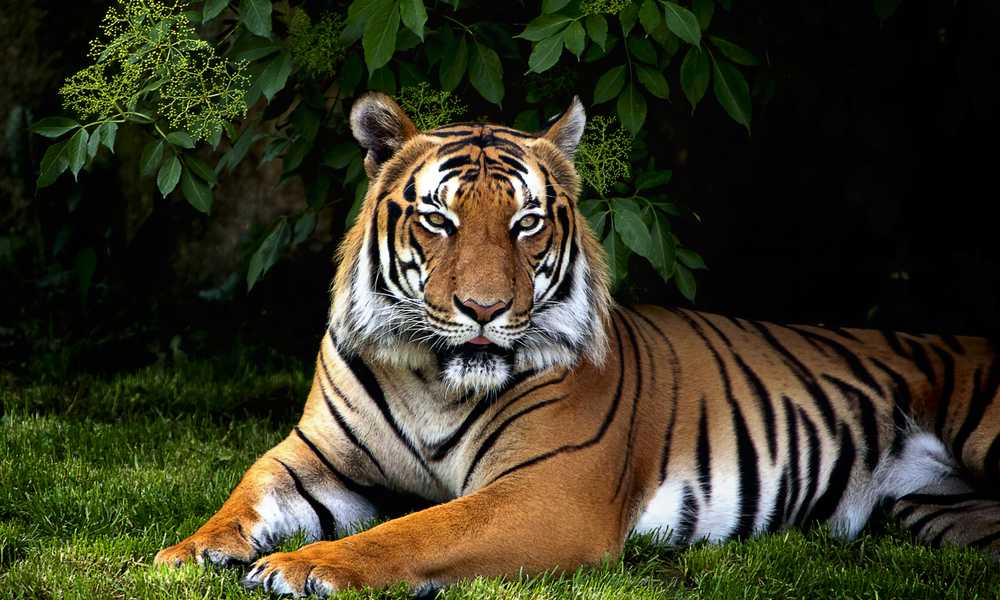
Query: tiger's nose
x=482, y=313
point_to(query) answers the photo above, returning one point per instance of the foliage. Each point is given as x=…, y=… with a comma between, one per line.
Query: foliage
x=430, y=108
x=233, y=81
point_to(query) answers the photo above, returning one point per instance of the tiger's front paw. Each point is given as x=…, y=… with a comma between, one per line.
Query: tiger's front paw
x=312, y=570
x=220, y=547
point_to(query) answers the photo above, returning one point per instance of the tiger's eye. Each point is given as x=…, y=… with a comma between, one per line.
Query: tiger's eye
x=436, y=219
x=528, y=221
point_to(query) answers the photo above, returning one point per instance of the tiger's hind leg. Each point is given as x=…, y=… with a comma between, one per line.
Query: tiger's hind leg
x=951, y=512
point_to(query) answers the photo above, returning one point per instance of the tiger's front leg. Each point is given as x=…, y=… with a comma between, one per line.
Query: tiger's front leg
x=522, y=523
x=292, y=488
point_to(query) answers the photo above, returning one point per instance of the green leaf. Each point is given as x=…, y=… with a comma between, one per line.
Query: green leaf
x=76, y=151
x=627, y=17
x=575, y=38
x=684, y=280
x=453, y=65
x=653, y=80
x=663, y=246
x=201, y=169
x=304, y=226
x=383, y=80
x=54, y=162
x=544, y=26
x=617, y=258
x=152, y=154
x=256, y=16
x=683, y=23
x=703, y=10
x=486, y=73
x=379, y=40
x=268, y=252
x=358, y=14
x=695, y=75
x=180, y=139
x=610, y=84
x=212, y=9
x=414, y=15
x=734, y=53
x=597, y=29
x=169, y=174
x=885, y=8
x=275, y=75
x=690, y=258
x=633, y=231
x=632, y=108
x=650, y=15
x=197, y=193
x=340, y=155
x=53, y=127
x=652, y=179
x=545, y=54
x=108, y=132
x=93, y=144
x=642, y=49
x=551, y=6
x=732, y=91
x=598, y=221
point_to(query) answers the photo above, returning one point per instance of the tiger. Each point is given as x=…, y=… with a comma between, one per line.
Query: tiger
x=474, y=361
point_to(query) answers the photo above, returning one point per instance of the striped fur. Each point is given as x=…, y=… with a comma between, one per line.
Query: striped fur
x=545, y=433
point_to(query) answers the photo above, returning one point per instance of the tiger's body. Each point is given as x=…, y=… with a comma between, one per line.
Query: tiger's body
x=476, y=362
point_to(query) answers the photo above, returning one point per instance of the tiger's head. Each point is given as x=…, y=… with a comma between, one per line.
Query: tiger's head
x=469, y=252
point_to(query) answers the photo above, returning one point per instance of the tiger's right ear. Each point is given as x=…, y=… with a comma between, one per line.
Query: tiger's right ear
x=381, y=127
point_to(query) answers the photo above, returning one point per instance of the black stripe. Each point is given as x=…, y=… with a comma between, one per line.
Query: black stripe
x=982, y=397
x=749, y=490
x=792, y=469
x=347, y=482
x=803, y=374
x=675, y=382
x=764, y=402
x=327, y=524
x=367, y=380
x=920, y=359
x=839, y=478
x=992, y=460
x=900, y=406
x=344, y=426
x=442, y=449
x=704, y=455
x=689, y=517
x=773, y=521
x=601, y=431
x=813, y=475
x=941, y=499
x=953, y=343
x=939, y=537
x=458, y=161
x=853, y=362
x=892, y=338
x=843, y=333
x=917, y=527
x=986, y=540
x=635, y=402
x=713, y=327
x=491, y=440
x=869, y=422
x=947, y=385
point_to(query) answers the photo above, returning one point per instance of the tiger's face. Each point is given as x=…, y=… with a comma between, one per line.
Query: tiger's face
x=469, y=252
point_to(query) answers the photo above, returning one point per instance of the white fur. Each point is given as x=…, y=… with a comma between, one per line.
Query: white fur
x=663, y=513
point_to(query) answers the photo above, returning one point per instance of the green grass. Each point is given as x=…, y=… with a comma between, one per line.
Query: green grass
x=97, y=474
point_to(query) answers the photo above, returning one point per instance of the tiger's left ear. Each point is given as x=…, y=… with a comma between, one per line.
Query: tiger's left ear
x=381, y=127
x=566, y=132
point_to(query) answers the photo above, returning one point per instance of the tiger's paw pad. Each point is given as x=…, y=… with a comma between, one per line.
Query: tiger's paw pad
x=289, y=574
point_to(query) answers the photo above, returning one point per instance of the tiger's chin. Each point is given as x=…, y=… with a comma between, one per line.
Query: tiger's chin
x=476, y=369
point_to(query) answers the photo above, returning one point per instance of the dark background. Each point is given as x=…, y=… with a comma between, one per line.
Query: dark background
x=863, y=197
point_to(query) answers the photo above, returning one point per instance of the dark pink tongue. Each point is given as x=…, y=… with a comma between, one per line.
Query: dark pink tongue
x=480, y=341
